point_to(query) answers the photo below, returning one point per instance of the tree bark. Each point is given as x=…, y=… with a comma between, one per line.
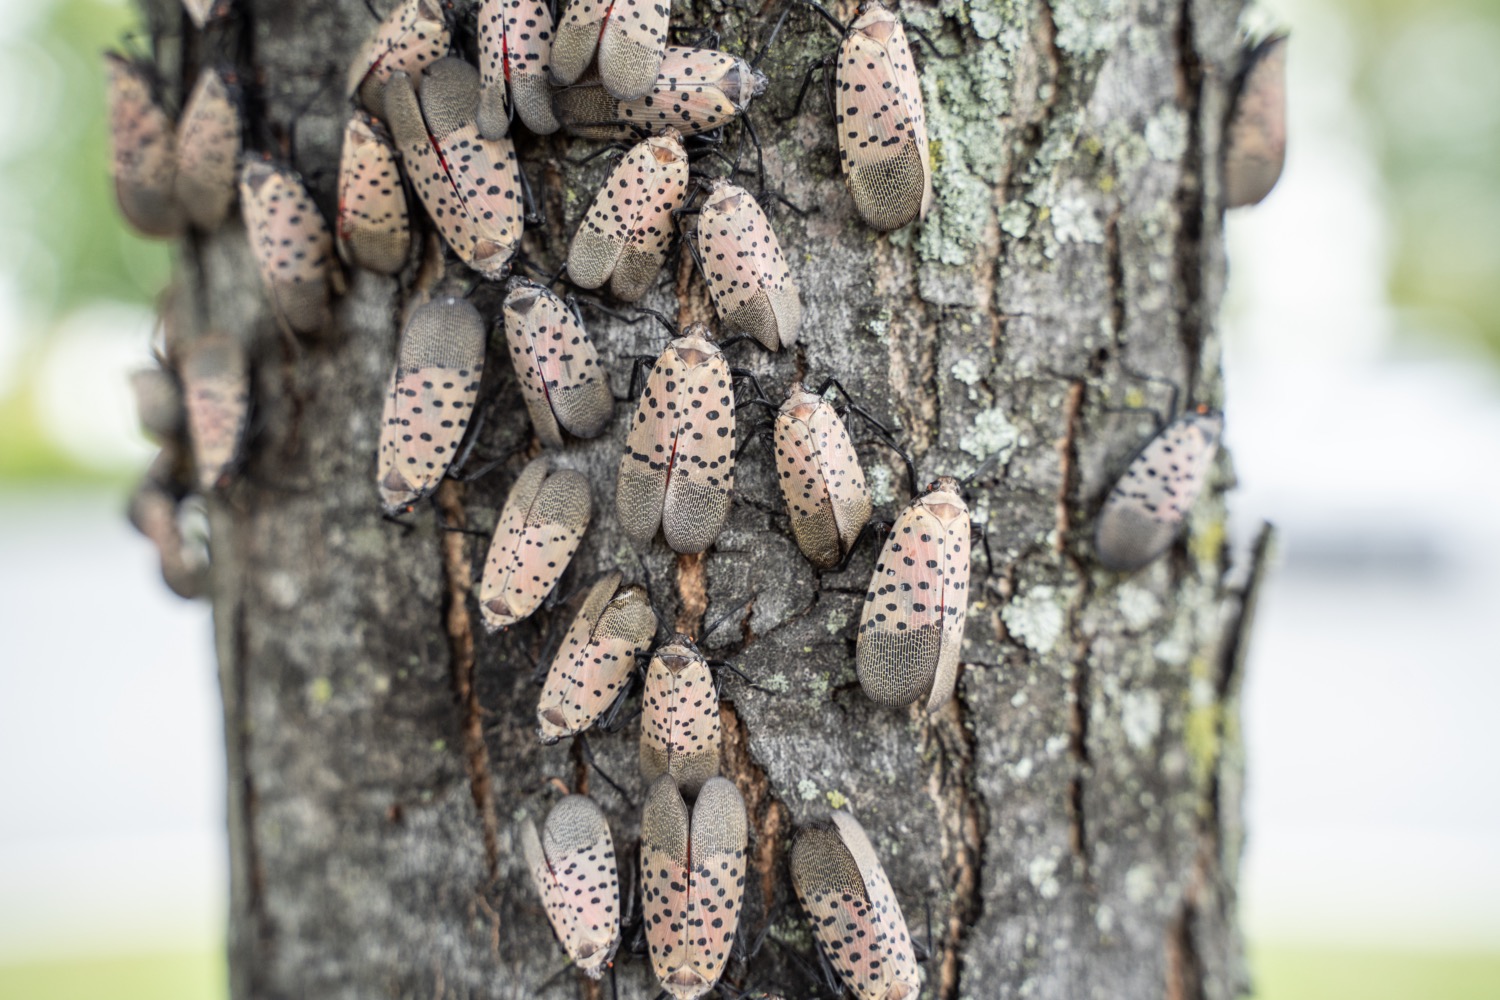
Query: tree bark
x=1068, y=826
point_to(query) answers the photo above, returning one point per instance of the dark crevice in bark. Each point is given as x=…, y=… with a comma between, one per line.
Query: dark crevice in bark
x=1190, y=202
x=237, y=730
x=461, y=664
x=769, y=818
x=960, y=811
x=1034, y=135
x=1116, y=275
x=1067, y=460
x=1184, y=967
x=1078, y=746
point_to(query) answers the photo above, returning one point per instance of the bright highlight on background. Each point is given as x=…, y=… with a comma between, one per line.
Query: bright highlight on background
x=1362, y=416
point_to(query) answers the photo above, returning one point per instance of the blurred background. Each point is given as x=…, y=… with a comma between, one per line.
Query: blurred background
x=1363, y=329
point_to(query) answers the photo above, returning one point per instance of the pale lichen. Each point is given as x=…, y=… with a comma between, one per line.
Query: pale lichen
x=1036, y=618
x=1140, y=717
x=990, y=434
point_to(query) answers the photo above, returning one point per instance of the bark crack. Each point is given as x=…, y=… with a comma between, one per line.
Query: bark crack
x=461, y=662
x=1190, y=199
x=769, y=816
x=950, y=785
x=1067, y=462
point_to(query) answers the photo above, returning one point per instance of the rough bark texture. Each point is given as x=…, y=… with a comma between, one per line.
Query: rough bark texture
x=1069, y=825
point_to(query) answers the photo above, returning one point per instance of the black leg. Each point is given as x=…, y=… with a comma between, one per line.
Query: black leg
x=587, y=753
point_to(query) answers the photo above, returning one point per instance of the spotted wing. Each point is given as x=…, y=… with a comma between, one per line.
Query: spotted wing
x=651, y=224
x=558, y=710
x=666, y=879
x=559, y=909
x=883, y=148
x=433, y=391
x=527, y=328
x=580, y=855
x=804, y=487
x=1146, y=508
x=570, y=370
x=612, y=218
x=642, y=488
x=145, y=161
x=528, y=51
x=832, y=890
x=216, y=392
x=680, y=730
x=374, y=227
x=292, y=245
x=208, y=150
x=897, y=965
x=578, y=33
x=720, y=833
x=901, y=628
x=698, y=90
x=701, y=476
x=747, y=275
x=413, y=36
x=842, y=473
x=632, y=46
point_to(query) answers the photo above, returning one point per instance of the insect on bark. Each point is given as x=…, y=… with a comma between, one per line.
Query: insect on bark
x=561, y=379
x=678, y=469
x=614, y=625
x=1255, y=143
x=374, y=230
x=696, y=90
x=216, y=390
x=158, y=404
x=471, y=187
x=208, y=150
x=912, y=628
x=144, y=164
x=573, y=866
x=430, y=401
x=854, y=912
x=880, y=121
x=154, y=513
x=692, y=882
x=623, y=237
x=412, y=37
x=821, y=479
x=747, y=276
x=539, y=530
x=292, y=245
x=680, y=717
x=515, y=51
x=1146, y=509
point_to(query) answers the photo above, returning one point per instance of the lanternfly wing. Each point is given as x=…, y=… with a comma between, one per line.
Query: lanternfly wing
x=624, y=235
x=747, y=275
x=216, y=390
x=561, y=378
x=854, y=913
x=484, y=174
x=666, y=881
x=208, y=149
x=577, y=37
x=291, y=243
x=632, y=46
x=515, y=49
x=821, y=478
x=700, y=480
x=431, y=399
x=642, y=484
x=883, y=147
x=539, y=530
x=414, y=35
x=158, y=404
x=697, y=90
x=374, y=229
x=145, y=160
x=596, y=658
x=573, y=866
x=680, y=717
x=911, y=630
x=1255, y=143
x=1145, y=510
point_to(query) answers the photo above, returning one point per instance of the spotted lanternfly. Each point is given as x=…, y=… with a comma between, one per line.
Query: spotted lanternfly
x=216, y=389
x=882, y=129
x=678, y=469
x=821, y=478
x=747, y=276
x=413, y=36
x=696, y=90
x=680, y=717
x=632, y=46
x=1255, y=141
x=912, y=627
x=153, y=512
x=612, y=628
x=573, y=866
x=692, y=882
x=374, y=230
x=1145, y=510
x=292, y=245
x=515, y=49
x=471, y=187
x=539, y=530
x=208, y=150
x=145, y=158
x=854, y=912
x=158, y=404
x=431, y=399
x=561, y=379
x=577, y=38
x=624, y=235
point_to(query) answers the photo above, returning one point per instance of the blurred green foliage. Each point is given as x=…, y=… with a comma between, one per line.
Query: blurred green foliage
x=1428, y=79
x=186, y=976
x=65, y=244
x=1283, y=973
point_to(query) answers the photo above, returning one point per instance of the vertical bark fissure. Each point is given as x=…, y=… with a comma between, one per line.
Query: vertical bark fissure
x=459, y=626
x=242, y=785
x=769, y=818
x=950, y=784
x=1190, y=202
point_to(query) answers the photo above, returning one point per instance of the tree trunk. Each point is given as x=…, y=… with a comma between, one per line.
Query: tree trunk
x=1068, y=826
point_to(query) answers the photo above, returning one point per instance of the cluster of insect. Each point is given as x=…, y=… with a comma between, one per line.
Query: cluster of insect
x=426, y=121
